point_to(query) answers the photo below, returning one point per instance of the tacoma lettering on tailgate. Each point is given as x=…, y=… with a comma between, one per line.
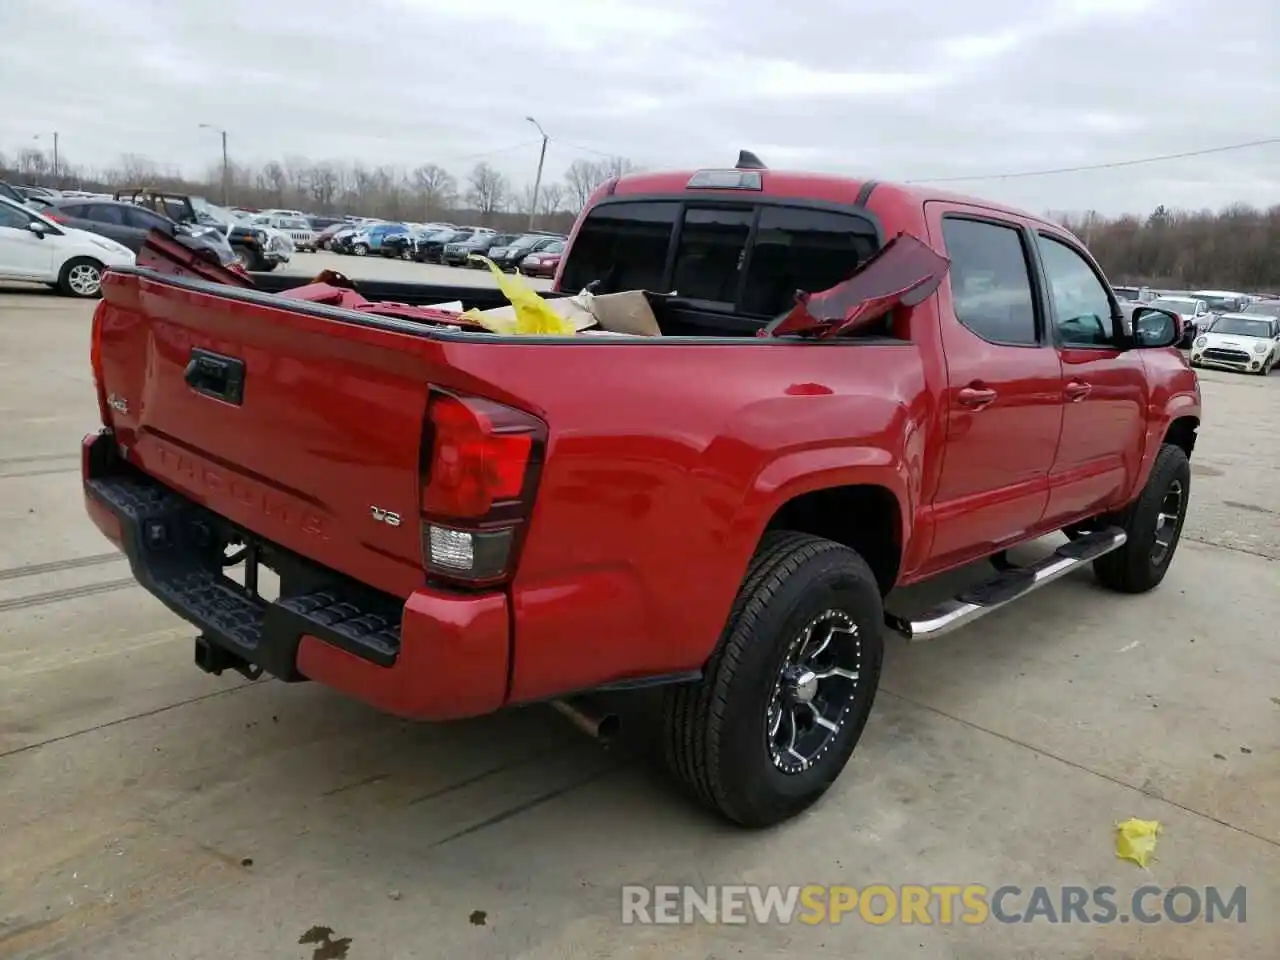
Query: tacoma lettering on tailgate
x=220, y=486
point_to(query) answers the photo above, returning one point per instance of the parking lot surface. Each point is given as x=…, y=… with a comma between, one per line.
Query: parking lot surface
x=149, y=810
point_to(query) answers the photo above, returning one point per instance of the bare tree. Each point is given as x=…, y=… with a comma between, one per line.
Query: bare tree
x=33, y=164
x=522, y=202
x=272, y=180
x=487, y=190
x=582, y=178
x=135, y=169
x=323, y=184
x=551, y=199
x=436, y=189
x=616, y=167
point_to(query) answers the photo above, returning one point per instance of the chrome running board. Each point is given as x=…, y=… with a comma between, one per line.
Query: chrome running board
x=1006, y=587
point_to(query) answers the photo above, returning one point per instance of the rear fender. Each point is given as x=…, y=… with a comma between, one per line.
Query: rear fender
x=805, y=471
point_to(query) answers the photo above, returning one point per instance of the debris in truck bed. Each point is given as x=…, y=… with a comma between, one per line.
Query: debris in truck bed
x=336, y=290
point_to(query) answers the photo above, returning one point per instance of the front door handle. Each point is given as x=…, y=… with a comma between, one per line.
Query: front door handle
x=1077, y=390
x=976, y=397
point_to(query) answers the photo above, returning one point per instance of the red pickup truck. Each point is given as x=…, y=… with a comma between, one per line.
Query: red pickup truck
x=463, y=521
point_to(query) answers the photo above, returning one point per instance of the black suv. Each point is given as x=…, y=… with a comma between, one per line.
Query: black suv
x=509, y=255
x=253, y=247
x=430, y=249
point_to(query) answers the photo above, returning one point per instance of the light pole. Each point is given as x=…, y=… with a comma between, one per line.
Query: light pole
x=55, y=155
x=226, y=168
x=537, y=181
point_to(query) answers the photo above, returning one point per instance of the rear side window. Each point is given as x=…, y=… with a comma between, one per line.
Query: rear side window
x=798, y=249
x=145, y=219
x=104, y=213
x=990, y=280
x=624, y=244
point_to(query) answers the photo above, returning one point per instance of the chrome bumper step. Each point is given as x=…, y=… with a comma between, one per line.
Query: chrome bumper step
x=1004, y=588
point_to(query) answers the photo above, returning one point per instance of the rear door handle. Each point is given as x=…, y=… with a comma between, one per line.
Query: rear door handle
x=1077, y=390
x=215, y=375
x=976, y=397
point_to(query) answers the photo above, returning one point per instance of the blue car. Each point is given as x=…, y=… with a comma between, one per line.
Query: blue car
x=371, y=238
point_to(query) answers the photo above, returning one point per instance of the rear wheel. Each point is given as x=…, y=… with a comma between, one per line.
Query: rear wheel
x=1153, y=524
x=787, y=692
x=81, y=277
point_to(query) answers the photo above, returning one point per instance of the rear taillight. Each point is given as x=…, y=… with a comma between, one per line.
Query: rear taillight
x=56, y=217
x=95, y=362
x=480, y=464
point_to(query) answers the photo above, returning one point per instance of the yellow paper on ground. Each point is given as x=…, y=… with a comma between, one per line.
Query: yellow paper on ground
x=530, y=316
x=1136, y=840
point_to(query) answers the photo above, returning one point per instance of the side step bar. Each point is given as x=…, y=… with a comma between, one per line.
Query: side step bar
x=1007, y=586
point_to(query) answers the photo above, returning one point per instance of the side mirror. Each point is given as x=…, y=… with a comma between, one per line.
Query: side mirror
x=38, y=228
x=1153, y=327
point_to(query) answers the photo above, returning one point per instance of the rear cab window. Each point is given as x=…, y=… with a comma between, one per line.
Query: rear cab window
x=742, y=257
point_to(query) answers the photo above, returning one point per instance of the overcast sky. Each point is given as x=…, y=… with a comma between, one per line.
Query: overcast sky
x=895, y=90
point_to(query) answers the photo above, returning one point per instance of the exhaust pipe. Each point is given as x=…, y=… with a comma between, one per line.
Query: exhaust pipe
x=582, y=714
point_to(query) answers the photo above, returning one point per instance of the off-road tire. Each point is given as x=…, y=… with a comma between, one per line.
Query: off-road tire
x=1132, y=568
x=73, y=282
x=246, y=256
x=714, y=733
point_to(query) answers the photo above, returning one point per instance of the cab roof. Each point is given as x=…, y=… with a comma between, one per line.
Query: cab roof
x=801, y=185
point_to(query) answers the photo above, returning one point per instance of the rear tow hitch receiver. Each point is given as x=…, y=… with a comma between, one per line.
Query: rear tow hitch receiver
x=212, y=658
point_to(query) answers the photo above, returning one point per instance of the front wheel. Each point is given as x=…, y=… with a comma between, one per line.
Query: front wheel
x=787, y=692
x=81, y=277
x=1153, y=524
x=245, y=258
x=360, y=249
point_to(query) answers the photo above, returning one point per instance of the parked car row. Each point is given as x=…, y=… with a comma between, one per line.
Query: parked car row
x=1198, y=308
x=535, y=253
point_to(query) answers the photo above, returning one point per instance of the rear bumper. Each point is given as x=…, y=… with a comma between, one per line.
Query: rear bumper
x=435, y=656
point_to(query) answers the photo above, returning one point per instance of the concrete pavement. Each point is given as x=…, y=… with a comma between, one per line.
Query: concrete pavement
x=149, y=810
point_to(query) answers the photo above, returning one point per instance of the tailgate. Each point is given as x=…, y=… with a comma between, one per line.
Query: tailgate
x=294, y=422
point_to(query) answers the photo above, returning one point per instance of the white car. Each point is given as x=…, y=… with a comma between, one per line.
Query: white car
x=298, y=229
x=1222, y=302
x=33, y=247
x=1239, y=341
x=1194, y=313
